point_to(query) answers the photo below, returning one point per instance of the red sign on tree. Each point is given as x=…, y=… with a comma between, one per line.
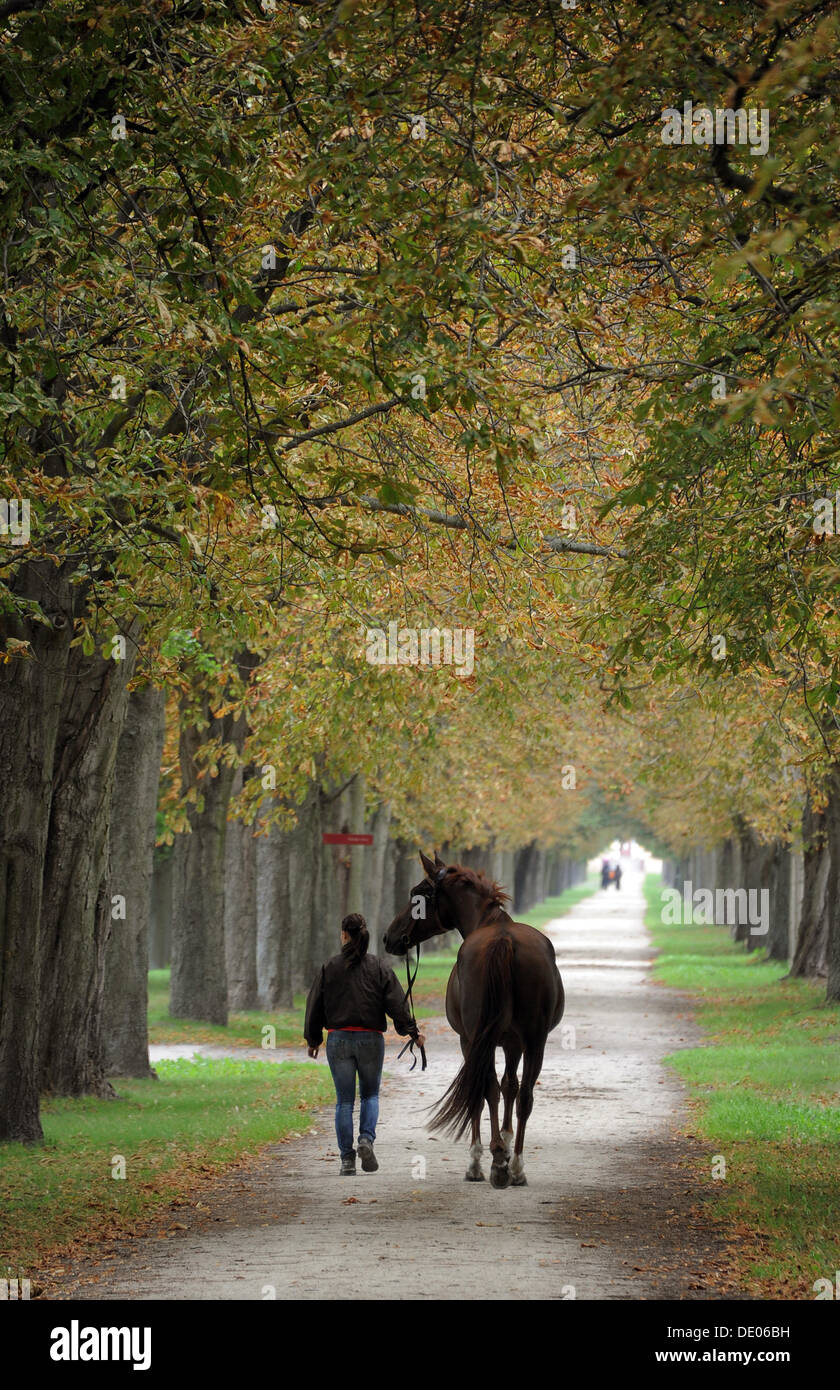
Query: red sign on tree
x=329, y=838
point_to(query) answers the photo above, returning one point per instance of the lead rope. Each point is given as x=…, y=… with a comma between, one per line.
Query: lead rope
x=409, y=1046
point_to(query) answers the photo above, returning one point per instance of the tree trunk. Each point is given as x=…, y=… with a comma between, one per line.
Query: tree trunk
x=241, y=911
x=811, y=947
x=832, y=822
x=797, y=877
x=407, y=873
x=780, y=902
x=756, y=863
x=388, y=901
x=160, y=948
x=303, y=860
x=76, y=903
x=681, y=873
x=558, y=874
x=274, y=946
x=359, y=854
x=739, y=930
x=31, y=689
x=330, y=898
x=495, y=864
x=507, y=873
x=133, y=827
x=198, y=986
x=374, y=885
x=525, y=861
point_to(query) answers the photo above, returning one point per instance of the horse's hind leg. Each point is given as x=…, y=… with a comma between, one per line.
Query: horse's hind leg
x=524, y=1105
x=474, y=1173
x=500, y=1171
x=510, y=1090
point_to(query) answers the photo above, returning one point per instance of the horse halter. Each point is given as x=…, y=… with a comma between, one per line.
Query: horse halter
x=431, y=898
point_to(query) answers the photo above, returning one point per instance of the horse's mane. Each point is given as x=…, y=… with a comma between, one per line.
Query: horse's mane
x=474, y=878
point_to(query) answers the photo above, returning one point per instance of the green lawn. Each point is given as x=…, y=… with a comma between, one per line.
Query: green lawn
x=199, y=1116
x=243, y=1029
x=767, y=1093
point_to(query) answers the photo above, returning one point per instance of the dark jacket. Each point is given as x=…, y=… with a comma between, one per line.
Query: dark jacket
x=356, y=996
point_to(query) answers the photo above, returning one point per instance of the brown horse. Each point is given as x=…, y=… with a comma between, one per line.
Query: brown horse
x=504, y=991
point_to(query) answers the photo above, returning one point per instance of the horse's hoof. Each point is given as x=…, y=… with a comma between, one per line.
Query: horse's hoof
x=519, y=1181
x=500, y=1176
x=470, y=1176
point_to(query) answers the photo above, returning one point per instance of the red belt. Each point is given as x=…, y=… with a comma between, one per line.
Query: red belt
x=352, y=1029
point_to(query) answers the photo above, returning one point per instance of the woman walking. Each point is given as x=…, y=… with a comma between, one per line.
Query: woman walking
x=350, y=997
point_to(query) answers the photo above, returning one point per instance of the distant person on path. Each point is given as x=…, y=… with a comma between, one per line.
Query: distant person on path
x=617, y=876
x=606, y=873
x=350, y=997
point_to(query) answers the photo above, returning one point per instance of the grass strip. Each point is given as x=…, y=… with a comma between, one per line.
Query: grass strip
x=197, y=1118
x=242, y=1030
x=766, y=1093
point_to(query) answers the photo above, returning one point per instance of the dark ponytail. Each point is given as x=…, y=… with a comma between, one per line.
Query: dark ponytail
x=356, y=928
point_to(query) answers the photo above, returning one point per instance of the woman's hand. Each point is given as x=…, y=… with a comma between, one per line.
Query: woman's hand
x=313, y=1051
x=421, y=1039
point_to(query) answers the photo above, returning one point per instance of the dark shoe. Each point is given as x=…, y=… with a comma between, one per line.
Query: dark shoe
x=368, y=1157
x=348, y=1165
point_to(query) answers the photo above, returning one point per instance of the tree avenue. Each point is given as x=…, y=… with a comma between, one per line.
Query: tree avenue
x=339, y=319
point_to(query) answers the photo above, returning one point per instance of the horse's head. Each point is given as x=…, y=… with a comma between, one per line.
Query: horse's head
x=421, y=918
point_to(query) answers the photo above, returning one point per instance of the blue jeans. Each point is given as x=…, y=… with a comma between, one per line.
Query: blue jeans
x=347, y=1054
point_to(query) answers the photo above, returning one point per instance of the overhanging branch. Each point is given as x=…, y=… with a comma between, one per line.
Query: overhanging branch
x=458, y=523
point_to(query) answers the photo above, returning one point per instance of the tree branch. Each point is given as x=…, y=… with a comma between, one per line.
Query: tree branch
x=457, y=523
x=333, y=426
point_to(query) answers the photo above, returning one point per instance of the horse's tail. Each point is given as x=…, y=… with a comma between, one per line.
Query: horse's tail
x=463, y=1102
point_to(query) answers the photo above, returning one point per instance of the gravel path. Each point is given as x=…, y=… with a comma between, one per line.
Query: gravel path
x=611, y=1210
